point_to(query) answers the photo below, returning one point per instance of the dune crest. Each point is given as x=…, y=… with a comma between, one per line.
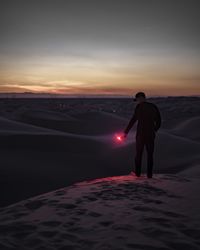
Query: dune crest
x=89, y=215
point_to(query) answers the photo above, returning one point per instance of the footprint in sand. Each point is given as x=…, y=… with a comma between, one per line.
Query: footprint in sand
x=51, y=223
x=67, y=205
x=173, y=215
x=177, y=245
x=21, y=235
x=106, y=223
x=90, y=198
x=18, y=215
x=35, y=242
x=157, y=202
x=142, y=208
x=160, y=233
x=145, y=247
x=60, y=193
x=94, y=214
x=123, y=227
x=68, y=236
x=69, y=224
x=33, y=205
x=192, y=233
x=68, y=246
x=81, y=211
x=48, y=234
x=86, y=244
x=156, y=210
x=161, y=222
x=156, y=220
x=79, y=201
x=17, y=227
x=53, y=203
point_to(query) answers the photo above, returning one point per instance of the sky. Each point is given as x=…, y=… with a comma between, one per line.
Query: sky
x=114, y=47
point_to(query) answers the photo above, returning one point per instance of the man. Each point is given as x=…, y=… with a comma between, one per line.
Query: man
x=148, y=117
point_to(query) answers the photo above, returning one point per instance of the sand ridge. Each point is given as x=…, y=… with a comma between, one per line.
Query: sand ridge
x=121, y=212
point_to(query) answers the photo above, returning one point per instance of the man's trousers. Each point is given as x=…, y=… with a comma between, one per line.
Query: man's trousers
x=142, y=142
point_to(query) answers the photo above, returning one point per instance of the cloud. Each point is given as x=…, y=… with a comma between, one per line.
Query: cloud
x=13, y=89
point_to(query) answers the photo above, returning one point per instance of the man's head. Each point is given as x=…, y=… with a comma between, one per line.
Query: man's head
x=140, y=97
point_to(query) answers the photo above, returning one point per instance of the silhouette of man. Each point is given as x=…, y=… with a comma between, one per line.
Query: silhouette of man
x=149, y=121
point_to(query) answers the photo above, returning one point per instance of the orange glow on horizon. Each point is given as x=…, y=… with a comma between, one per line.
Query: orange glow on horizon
x=98, y=79
x=150, y=91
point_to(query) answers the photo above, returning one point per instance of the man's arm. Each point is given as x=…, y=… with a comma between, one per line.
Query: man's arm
x=157, y=119
x=132, y=121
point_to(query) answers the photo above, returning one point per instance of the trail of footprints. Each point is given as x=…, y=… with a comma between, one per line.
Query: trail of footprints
x=68, y=232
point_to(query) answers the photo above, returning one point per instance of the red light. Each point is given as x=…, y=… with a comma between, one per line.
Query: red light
x=119, y=138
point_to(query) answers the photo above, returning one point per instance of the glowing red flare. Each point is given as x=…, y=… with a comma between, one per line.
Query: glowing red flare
x=119, y=138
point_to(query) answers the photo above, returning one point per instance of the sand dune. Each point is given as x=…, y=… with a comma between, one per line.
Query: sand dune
x=43, y=150
x=112, y=213
x=188, y=129
x=100, y=116
x=9, y=126
x=82, y=123
x=193, y=171
x=61, y=158
x=46, y=115
x=183, y=153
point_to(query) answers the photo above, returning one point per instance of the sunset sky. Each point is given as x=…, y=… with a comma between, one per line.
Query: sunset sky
x=100, y=47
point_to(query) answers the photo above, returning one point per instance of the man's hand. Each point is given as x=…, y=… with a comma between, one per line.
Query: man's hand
x=120, y=137
x=124, y=135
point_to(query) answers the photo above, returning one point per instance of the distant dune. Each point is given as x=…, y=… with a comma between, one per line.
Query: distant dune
x=189, y=129
x=81, y=123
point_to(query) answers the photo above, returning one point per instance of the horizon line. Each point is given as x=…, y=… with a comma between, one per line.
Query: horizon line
x=54, y=95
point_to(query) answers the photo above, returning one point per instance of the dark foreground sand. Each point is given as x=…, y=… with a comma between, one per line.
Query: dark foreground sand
x=122, y=212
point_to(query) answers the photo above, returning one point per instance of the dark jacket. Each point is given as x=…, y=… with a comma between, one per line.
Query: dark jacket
x=148, y=117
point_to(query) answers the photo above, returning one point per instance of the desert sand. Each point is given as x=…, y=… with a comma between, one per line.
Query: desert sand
x=66, y=182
